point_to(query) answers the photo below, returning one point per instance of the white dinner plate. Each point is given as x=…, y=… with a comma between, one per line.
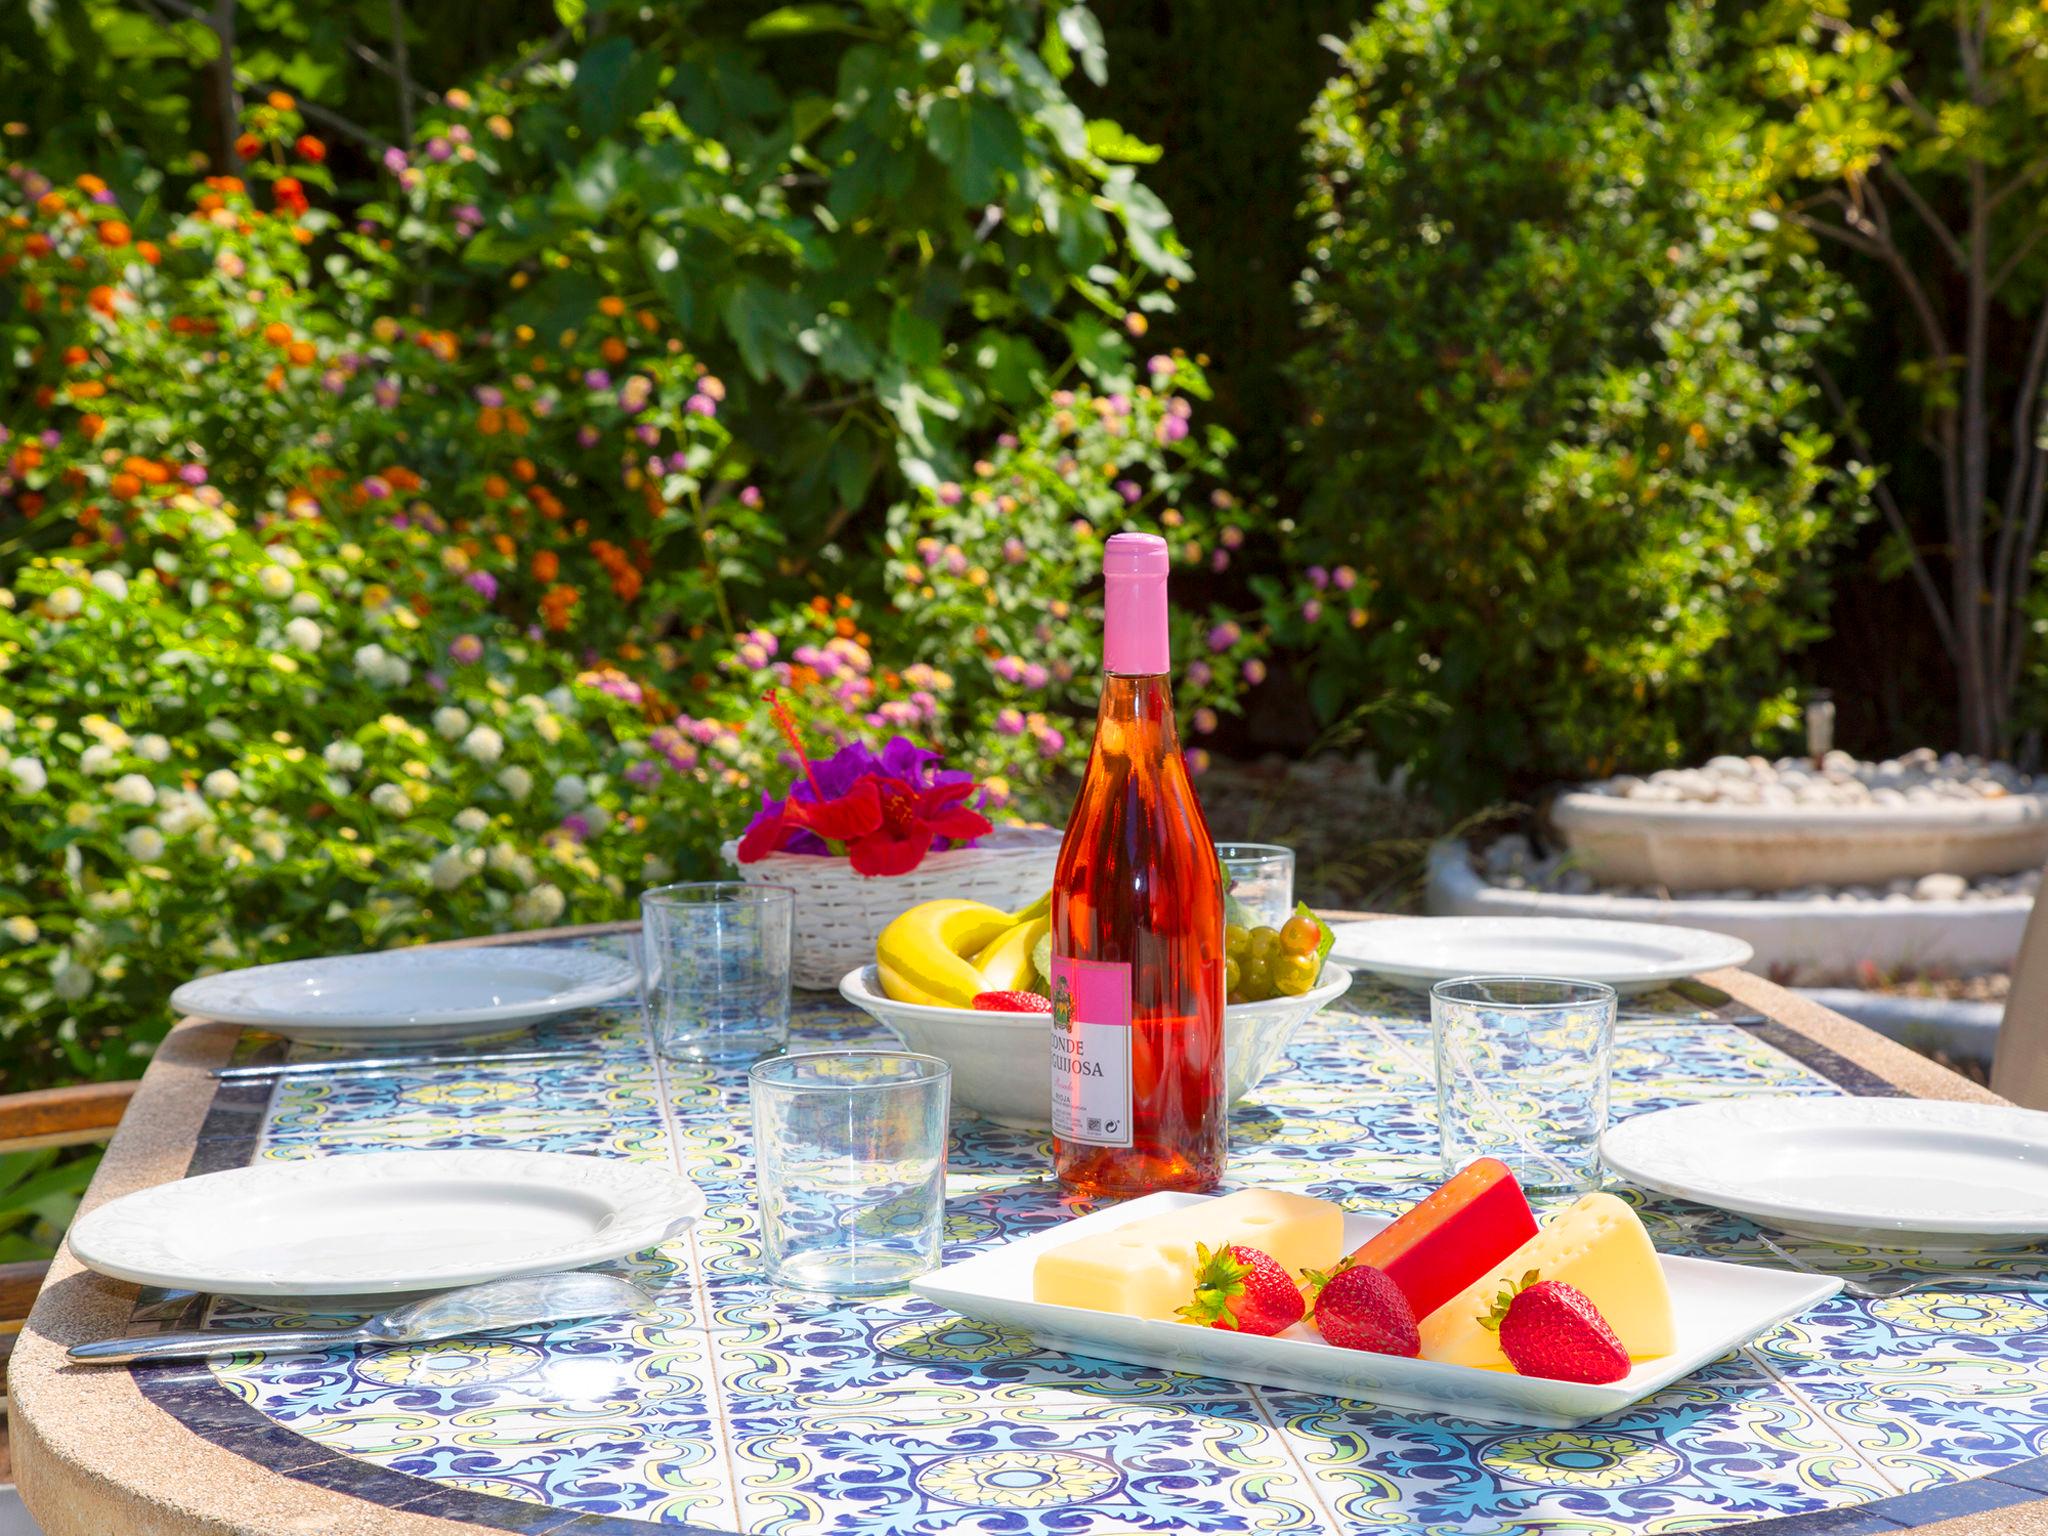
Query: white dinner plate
x=384, y=1223
x=415, y=995
x=1717, y=1307
x=1630, y=957
x=1905, y=1172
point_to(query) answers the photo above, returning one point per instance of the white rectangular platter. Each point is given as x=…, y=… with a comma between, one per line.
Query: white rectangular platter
x=1717, y=1306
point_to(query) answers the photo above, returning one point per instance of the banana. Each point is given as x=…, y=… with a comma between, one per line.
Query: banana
x=922, y=954
x=1005, y=965
x=1037, y=909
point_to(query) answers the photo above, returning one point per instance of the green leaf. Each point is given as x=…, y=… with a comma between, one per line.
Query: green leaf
x=669, y=278
x=1098, y=346
x=1082, y=34
x=800, y=21
x=1112, y=141
x=599, y=77
x=978, y=140
x=916, y=340
x=571, y=12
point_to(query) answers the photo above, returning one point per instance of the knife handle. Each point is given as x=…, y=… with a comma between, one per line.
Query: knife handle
x=212, y=1341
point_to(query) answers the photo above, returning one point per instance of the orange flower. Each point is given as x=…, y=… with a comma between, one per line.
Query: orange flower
x=147, y=250
x=290, y=193
x=277, y=333
x=91, y=185
x=281, y=101
x=497, y=487
x=556, y=606
x=523, y=471
x=309, y=148
x=114, y=233
x=490, y=421
x=91, y=424
x=301, y=353
x=50, y=203
x=547, y=565
x=75, y=356
x=37, y=245
x=502, y=543
x=248, y=146
x=87, y=389
x=613, y=350
x=125, y=486
x=274, y=379
x=102, y=299
x=611, y=304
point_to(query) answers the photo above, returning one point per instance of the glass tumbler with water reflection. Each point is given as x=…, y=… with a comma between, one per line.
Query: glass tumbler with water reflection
x=1260, y=876
x=714, y=958
x=1522, y=1064
x=850, y=1168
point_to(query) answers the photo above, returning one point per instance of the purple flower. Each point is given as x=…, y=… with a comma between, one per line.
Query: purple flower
x=643, y=771
x=1010, y=722
x=1009, y=668
x=1344, y=578
x=1205, y=721
x=701, y=404
x=633, y=394
x=439, y=149
x=1129, y=490
x=1220, y=560
x=1255, y=671
x=649, y=434
x=490, y=395
x=1199, y=674
x=385, y=392
x=52, y=437
x=466, y=651
x=1318, y=577
x=376, y=487
x=192, y=474
x=587, y=436
x=394, y=160
x=1224, y=636
x=1172, y=429
x=596, y=379
x=577, y=826
x=1035, y=676
x=1051, y=742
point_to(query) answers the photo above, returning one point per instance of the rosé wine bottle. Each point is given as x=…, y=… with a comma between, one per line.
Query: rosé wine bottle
x=1137, y=926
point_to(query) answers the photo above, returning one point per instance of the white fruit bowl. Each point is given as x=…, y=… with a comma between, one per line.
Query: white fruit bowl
x=1002, y=1062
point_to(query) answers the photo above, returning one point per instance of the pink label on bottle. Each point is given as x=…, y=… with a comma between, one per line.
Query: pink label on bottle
x=1091, y=1051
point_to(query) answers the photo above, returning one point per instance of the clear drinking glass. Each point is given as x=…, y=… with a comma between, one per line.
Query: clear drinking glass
x=850, y=1168
x=1521, y=1075
x=1261, y=877
x=714, y=966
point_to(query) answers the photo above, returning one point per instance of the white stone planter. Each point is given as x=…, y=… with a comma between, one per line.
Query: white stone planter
x=1707, y=847
x=1808, y=941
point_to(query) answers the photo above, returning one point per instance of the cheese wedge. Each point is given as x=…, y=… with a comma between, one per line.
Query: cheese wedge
x=1147, y=1268
x=1597, y=1245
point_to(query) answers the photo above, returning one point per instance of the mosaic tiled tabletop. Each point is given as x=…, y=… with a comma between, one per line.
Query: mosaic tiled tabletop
x=740, y=1408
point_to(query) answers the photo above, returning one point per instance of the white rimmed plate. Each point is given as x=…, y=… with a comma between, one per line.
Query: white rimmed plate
x=1718, y=1306
x=1904, y=1172
x=413, y=995
x=1630, y=957
x=1002, y=1062
x=384, y=1223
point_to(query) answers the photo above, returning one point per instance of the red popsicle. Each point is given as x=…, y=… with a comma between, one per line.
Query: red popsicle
x=1452, y=1236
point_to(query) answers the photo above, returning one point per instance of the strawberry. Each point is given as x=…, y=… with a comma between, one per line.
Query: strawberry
x=1242, y=1288
x=1360, y=1307
x=1012, y=1002
x=1553, y=1330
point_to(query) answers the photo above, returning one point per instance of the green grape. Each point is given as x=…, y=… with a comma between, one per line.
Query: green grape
x=1232, y=974
x=1265, y=943
x=1235, y=938
x=1294, y=974
x=1255, y=977
x=1301, y=935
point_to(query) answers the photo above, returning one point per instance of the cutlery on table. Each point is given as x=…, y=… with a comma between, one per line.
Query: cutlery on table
x=497, y=1306
x=385, y=1063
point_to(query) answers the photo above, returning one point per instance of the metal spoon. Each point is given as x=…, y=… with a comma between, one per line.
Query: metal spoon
x=497, y=1306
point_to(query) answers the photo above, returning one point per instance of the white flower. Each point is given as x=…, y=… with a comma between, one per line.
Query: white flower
x=133, y=789
x=380, y=666
x=655, y=870
x=275, y=581
x=70, y=979
x=65, y=602
x=471, y=820
x=549, y=728
x=305, y=603
x=113, y=583
x=452, y=866
x=516, y=782
x=571, y=791
x=345, y=755
x=508, y=860
x=391, y=800
x=97, y=759
x=154, y=748
x=450, y=722
x=563, y=698
x=270, y=843
x=304, y=634
x=21, y=928
x=179, y=811
x=484, y=744
x=144, y=844
x=6, y=721
x=221, y=783
x=538, y=907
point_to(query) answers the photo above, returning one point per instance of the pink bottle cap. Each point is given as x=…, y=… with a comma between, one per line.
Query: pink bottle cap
x=1134, y=567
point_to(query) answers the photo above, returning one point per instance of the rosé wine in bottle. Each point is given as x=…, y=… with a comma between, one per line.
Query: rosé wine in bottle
x=1137, y=926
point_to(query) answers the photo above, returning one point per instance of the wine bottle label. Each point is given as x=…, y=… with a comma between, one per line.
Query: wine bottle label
x=1091, y=1051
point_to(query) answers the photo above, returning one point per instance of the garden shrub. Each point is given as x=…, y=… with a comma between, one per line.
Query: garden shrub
x=1568, y=505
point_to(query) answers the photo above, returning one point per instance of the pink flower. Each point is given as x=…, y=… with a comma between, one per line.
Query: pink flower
x=1344, y=578
x=642, y=772
x=484, y=583
x=1198, y=761
x=956, y=560
x=1318, y=577
x=1129, y=490
x=1220, y=561
x=596, y=378
x=1051, y=742
x=948, y=494
x=1009, y=668
x=376, y=487
x=490, y=396
x=750, y=496
x=1233, y=537
x=1199, y=674
x=466, y=651
x=1010, y=722
x=1035, y=676
x=192, y=474
x=385, y=392
x=394, y=160
x=701, y=404
x=1205, y=721
x=439, y=149
x=1014, y=551
x=1171, y=429
x=1311, y=610
x=587, y=436
x=1159, y=362
x=1255, y=671
x=1224, y=636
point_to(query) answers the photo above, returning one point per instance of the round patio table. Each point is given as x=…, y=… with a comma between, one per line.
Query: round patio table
x=739, y=1408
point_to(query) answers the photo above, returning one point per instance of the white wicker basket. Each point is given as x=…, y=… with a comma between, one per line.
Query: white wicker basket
x=840, y=914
